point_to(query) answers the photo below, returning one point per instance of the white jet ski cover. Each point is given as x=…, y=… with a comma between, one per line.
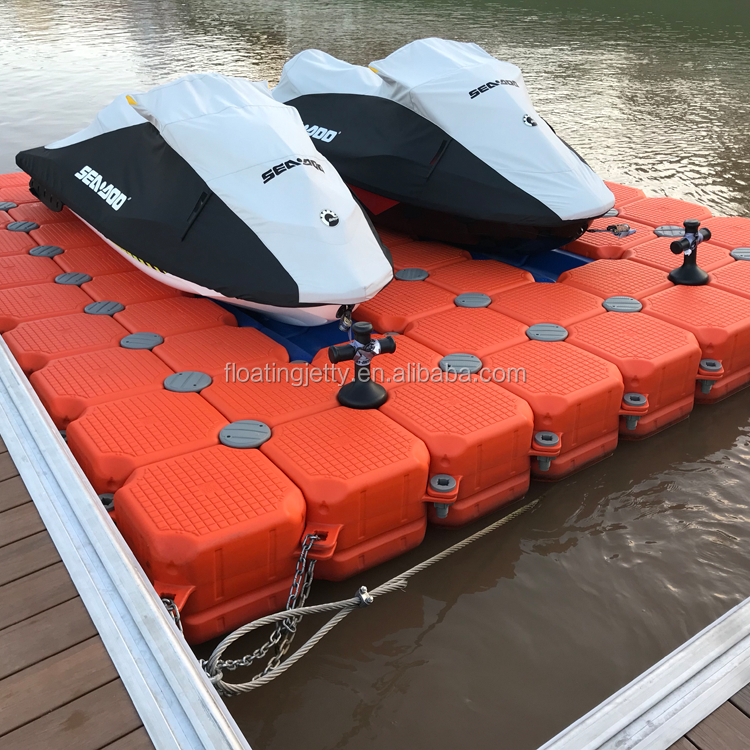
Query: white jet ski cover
x=474, y=100
x=210, y=179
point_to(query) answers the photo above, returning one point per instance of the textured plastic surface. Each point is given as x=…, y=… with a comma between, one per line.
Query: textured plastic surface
x=721, y=323
x=460, y=363
x=211, y=350
x=21, y=226
x=39, y=214
x=14, y=179
x=729, y=232
x=624, y=194
x=140, y=340
x=472, y=299
x=129, y=288
x=546, y=332
x=411, y=274
x=655, y=358
x=37, y=342
x=427, y=255
x=548, y=303
x=14, y=243
x=658, y=211
x=104, y=307
x=622, y=305
x=403, y=302
x=741, y=253
x=39, y=301
x=69, y=385
x=734, y=278
x=362, y=471
x=174, y=315
x=17, y=193
x=393, y=239
x=478, y=331
x=477, y=433
x=187, y=381
x=670, y=230
x=25, y=270
x=66, y=235
x=74, y=278
x=657, y=253
x=46, y=251
x=222, y=522
x=97, y=260
x=112, y=439
x=486, y=276
x=572, y=393
x=615, y=278
x=246, y=433
x=607, y=245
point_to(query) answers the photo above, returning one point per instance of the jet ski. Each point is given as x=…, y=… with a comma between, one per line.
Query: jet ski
x=211, y=186
x=441, y=140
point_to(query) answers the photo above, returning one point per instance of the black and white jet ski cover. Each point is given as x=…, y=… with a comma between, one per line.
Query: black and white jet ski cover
x=210, y=185
x=446, y=137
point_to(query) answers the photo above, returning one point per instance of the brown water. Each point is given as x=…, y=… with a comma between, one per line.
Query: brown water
x=516, y=637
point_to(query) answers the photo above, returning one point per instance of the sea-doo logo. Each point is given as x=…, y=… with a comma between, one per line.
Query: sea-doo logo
x=285, y=166
x=329, y=218
x=321, y=133
x=474, y=93
x=107, y=191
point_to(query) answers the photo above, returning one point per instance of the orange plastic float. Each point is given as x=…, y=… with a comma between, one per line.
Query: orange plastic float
x=5, y=219
x=37, y=342
x=624, y=194
x=729, y=232
x=110, y=440
x=128, y=288
x=218, y=532
x=17, y=193
x=734, y=278
x=613, y=278
x=39, y=301
x=15, y=243
x=70, y=385
x=66, y=235
x=721, y=323
x=478, y=436
x=480, y=276
x=393, y=239
x=363, y=477
x=656, y=253
x=14, y=179
x=174, y=315
x=40, y=214
x=427, y=255
x=606, y=244
x=656, y=212
x=97, y=260
x=26, y=270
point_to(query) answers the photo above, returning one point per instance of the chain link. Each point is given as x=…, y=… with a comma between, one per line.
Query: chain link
x=172, y=609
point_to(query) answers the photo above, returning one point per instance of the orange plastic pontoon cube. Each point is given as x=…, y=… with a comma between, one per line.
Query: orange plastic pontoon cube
x=606, y=245
x=488, y=277
x=128, y=288
x=67, y=235
x=401, y=303
x=657, y=212
x=5, y=219
x=217, y=531
x=572, y=393
x=70, y=385
x=548, y=303
x=616, y=278
x=426, y=255
x=290, y=392
x=728, y=231
x=15, y=243
x=363, y=477
x=391, y=238
x=14, y=179
x=721, y=323
x=95, y=260
x=656, y=359
x=174, y=315
x=477, y=433
x=26, y=270
x=111, y=440
x=478, y=331
x=212, y=350
x=39, y=301
x=656, y=253
x=624, y=194
x=39, y=213
x=734, y=278
x=37, y=342
x=17, y=193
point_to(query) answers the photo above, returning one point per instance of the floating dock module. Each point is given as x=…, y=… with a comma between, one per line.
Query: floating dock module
x=624, y=194
x=26, y=270
x=488, y=277
x=659, y=364
x=220, y=350
x=174, y=315
x=393, y=239
x=14, y=179
x=363, y=477
x=606, y=244
x=111, y=440
x=734, y=278
x=70, y=385
x=67, y=235
x=36, y=343
x=548, y=303
x=18, y=193
x=40, y=214
x=15, y=243
x=217, y=531
x=656, y=212
x=656, y=253
x=617, y=278
x=721, y=323
x=97, y=260
x=5, y=219
x=729, y=232
x=478, y=436
x=40, y=301
x=128, y=288
x=576, y=398
x=427, y=255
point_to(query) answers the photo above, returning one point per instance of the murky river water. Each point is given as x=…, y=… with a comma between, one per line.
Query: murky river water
x=511, y=640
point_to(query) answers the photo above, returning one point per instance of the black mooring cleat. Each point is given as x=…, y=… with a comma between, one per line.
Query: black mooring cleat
x=362, y=392
x=689, y=274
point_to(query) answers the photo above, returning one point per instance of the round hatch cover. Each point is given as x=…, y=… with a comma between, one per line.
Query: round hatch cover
x=141, y=340
x=546, y=332
x=104, y=307
x=622, y=304
x=188, y=381
x=472, y=299
x=461, y=363
x=246, y=433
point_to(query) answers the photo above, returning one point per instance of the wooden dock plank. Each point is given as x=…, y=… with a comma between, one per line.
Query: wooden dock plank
x=74, y=672
x=682, y=744
x=7, y=467
x=727, y=728
x=44, y=635
x=26, y=556
x=35, y=593
x=742, y=700
x=18, y=523
x=87, y=723
x=13, y=493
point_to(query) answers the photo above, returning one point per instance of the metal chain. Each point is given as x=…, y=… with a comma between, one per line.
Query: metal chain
x=172, y=609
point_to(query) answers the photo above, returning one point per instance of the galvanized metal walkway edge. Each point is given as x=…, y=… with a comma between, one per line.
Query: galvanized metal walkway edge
x=668, y=700
x=177, y=704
